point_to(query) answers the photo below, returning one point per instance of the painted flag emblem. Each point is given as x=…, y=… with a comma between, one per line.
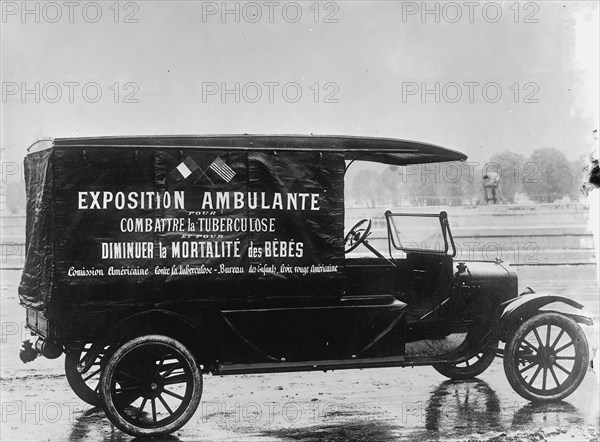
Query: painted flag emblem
x=222, y=169
x=190, y=170
x=187, y=167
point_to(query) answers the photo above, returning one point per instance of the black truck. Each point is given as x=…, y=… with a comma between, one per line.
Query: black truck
x=152, y=260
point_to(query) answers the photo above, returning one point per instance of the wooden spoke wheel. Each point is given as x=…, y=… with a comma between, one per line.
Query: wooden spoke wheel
x=86, y=384
x=547, y=357
x=151, y=386
x=470, y=368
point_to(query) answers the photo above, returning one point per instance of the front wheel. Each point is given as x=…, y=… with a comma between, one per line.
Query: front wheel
x=470, y=368
x=151, y=386
x=547, y=357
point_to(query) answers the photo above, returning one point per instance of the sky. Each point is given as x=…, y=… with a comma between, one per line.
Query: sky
x=501, y=76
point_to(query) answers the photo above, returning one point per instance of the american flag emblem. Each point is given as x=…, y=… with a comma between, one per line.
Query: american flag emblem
x=222, y=169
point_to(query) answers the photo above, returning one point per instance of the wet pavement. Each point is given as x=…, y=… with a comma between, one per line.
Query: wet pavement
x=375, y=404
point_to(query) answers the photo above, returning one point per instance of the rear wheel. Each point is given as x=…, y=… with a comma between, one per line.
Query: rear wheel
x=470, y=368
x=547, y=357
x=151, y=386
x=86, y=384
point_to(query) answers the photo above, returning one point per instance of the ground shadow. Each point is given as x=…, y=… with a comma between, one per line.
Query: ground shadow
x=557, y=414
x=94, y=425
x=356, y=429
x=463, y=407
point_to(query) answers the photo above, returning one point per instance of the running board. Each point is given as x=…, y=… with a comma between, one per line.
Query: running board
x=334, y=364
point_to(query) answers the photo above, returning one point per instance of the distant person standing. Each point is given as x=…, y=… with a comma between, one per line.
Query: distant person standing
x=491, y=188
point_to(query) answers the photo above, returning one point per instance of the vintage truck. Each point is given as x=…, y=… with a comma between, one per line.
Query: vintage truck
x=152, y=260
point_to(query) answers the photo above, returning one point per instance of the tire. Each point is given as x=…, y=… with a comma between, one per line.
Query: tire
x=561, y=356
x=85, y=385
x=470, y=368
x=134, y=384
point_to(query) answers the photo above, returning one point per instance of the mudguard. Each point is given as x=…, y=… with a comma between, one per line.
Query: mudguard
x=158, y=321
x=522, y=308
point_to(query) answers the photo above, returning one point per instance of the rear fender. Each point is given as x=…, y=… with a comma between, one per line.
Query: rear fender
x=518, y=310
x=158, y=321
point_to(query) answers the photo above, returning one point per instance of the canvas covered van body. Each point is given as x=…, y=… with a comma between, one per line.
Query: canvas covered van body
x=129, y=222
x=126, y=224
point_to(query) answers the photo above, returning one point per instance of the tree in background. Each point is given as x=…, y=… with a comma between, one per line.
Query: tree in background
x=418, y=184
x=553, y=178
x=510, y=166
x=388, y=185
x=365, y=186
x=452, y=183
x=546, y=176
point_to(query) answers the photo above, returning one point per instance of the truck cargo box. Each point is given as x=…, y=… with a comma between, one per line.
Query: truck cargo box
x=136, y=224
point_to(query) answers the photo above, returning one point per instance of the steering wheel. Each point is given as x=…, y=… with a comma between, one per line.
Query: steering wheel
x=357, y=234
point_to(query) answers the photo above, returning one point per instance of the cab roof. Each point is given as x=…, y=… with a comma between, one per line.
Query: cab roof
x=381, y=150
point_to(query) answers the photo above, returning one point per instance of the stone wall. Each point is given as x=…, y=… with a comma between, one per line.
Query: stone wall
x=520, y=234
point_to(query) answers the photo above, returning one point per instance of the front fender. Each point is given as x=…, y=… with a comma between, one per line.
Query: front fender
x=530, y=303
x=518, y=310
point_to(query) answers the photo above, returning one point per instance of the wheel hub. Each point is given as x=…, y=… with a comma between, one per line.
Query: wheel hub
x=546, y=356
x=153, y=388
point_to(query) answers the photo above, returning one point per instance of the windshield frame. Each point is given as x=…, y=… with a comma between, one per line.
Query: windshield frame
x=444, y=225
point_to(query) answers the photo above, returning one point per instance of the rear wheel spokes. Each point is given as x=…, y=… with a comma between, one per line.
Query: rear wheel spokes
x=85, y=354
x=162, y=360
x=170, y=393
x=141, y=384
x=153, y=401
x=171, y=369
x=83, y=368
x=91, y=375
x=130, y=376
x=126, y=396
x=176, y=379
x=141, y=409
x=165, y=404
x=151, y=386
x=142, y=372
